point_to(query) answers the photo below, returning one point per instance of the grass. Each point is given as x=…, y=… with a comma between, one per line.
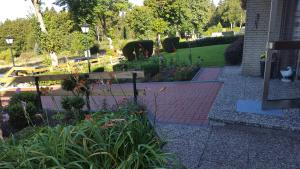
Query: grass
x=210, y=55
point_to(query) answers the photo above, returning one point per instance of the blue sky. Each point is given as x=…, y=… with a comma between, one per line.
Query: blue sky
x=12, y=9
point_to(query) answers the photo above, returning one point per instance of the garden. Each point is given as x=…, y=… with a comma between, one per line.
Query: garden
x=118, y=136
x=76, y=48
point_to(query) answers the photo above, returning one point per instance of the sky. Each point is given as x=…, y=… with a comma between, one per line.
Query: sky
x=12, y=9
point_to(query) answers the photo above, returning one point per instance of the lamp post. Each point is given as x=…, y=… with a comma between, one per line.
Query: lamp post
x=85, y=29
x=10, y=40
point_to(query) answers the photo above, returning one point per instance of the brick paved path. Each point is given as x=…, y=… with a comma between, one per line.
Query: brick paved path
x=208, y=74
x=181, y=102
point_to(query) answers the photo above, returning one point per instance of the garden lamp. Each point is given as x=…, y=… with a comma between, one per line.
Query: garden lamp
x=85, y=29
x=10, y=40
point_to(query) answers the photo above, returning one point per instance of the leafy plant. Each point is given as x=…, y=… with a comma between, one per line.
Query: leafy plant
x=18, y=116
x=73, y=106
x=121, y=139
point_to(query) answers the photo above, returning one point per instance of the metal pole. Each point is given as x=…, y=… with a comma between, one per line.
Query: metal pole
x=88, y=104
x=87, y=54
x=38, y=93
x=135, y=92
x=12, y=56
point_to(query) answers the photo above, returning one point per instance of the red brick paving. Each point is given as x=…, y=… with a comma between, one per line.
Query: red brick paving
x=208, y=74
x=181, y=102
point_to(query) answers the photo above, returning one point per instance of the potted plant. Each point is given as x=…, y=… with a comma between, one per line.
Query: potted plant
x=262, y=63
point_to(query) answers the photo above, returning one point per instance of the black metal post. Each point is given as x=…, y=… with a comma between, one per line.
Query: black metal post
x=12, y=56
x=40, y=106
x=88, y=104
x=135, y=92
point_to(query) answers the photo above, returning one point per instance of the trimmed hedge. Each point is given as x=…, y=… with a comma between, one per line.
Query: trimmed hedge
x=171, y=44
x=234, y=53
x=209, y=42
x=138, y=49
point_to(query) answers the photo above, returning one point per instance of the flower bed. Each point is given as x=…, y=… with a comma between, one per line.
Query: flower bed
x=118, y=139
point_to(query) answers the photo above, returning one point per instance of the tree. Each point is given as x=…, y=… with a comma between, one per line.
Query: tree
x=59, y=26
x=96, y=12
x=140, y=20
x=182, y=15
x=201, y=13
x=232, y=12
x=38, y=13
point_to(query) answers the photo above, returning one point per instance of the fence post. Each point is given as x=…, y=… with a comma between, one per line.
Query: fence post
x=40, y=106
x=135, y=92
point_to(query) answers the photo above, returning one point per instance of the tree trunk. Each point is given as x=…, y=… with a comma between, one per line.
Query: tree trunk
x=231, y=25
x=37, y=8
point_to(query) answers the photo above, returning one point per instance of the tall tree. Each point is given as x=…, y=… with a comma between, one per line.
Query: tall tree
x=182, y=15
x=102, y=12
x=232, y=12
x=38, y=13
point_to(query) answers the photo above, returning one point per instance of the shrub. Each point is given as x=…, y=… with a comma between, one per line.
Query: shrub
x=150, y=69
x=209, y=42
x=99, y=69
x=16, y=113
x=234, y=53
x=170, y=44
x=138, y=49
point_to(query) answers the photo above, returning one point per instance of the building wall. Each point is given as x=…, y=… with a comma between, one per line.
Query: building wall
x=256, y=33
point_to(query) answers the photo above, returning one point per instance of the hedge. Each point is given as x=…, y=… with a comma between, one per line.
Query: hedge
x=234, y=53
x=133, y=49
x=208, y=42
x=170, y=44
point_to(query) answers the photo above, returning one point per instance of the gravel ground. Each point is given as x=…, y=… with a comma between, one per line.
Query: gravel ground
x=231, y=147
x=237, y=87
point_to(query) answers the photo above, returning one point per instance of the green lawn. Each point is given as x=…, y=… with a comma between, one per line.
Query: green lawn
x=210, y=55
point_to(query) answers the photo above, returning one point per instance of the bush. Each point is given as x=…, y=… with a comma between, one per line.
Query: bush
x=99, y=69
x=170, y=44
x=73, y=106
x=234, y=53
x=138, y=49
x=16, y=113
x=150, y=69
x=208, y=42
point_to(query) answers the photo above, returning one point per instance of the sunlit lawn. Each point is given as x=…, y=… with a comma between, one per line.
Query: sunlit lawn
x=210, y=55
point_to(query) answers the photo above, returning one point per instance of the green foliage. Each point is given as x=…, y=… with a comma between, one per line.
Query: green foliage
x=140, y=21
x=208, y=42
x=138, y=49
x=170, y=44
x=73, y=106
x=122, y=139
x=23, y=31
x=150, y=68
x=234, y=53
x=185, y=73
x=16, y=112
x=59, y=25
x=230, y=12
x=5, y=56
x=69, y=84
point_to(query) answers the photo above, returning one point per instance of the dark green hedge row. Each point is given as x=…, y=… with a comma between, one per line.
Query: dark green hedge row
x=171, y=44
x=209, y=42
x=234, y=52
x=137, y=49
